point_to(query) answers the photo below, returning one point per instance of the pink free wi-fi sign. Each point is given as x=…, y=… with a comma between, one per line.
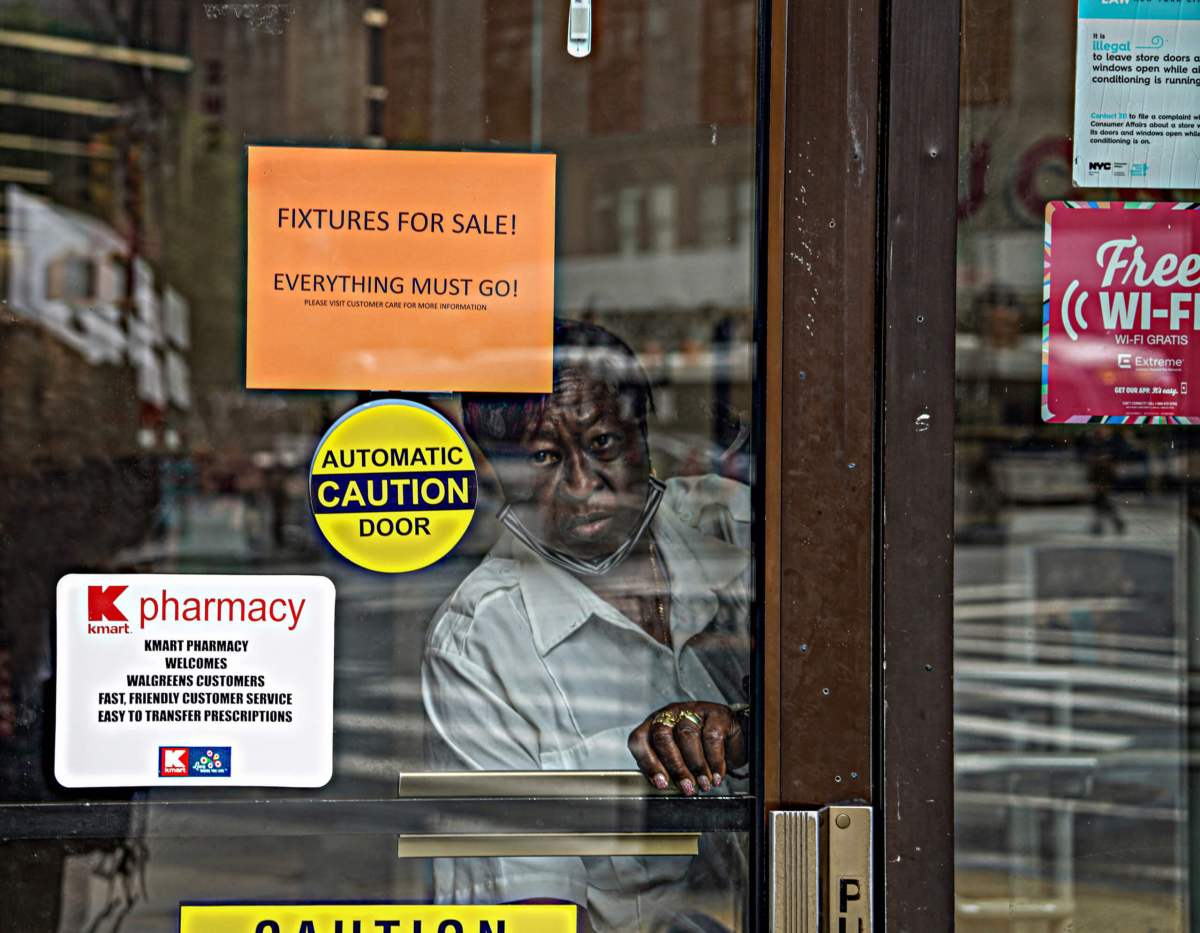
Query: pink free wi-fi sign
x=1121, y=324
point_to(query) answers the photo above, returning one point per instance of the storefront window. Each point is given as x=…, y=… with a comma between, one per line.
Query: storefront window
x=1075, y=600
x=129, y=442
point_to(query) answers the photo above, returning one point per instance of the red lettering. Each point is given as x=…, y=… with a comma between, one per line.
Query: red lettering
x=101, y=604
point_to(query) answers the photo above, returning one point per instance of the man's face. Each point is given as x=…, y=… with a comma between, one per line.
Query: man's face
x=581, y=475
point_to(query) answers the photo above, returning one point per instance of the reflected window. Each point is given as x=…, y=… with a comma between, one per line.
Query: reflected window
x=629, y=221
x=662, y=217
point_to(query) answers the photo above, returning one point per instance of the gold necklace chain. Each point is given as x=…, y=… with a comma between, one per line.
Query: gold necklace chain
x=659, y=603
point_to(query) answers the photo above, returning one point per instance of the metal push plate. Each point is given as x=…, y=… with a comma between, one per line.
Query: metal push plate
x=820, y=873
x=846, y=840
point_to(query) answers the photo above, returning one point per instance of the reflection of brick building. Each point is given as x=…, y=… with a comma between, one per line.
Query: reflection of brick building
x=630, y=84
x=655, y=136
x=88, y=87
x=281, y=73
x=654, y=133
x=87, y=389
x=654, y=129
x=652, y=163
x=300, y=71
x=88, y=386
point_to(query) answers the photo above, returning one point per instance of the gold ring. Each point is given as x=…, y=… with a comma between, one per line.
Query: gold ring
x=691, y=716
x=665, y=718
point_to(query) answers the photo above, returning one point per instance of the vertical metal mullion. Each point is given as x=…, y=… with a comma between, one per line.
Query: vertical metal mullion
x=768, y=178
x=917, y=276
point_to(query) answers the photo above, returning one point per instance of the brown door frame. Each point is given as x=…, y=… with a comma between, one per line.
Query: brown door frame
x=857, y=642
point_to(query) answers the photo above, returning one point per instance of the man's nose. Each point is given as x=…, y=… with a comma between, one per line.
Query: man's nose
x=579, y=480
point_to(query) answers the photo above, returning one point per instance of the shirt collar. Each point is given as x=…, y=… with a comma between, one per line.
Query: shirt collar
x=698, y=566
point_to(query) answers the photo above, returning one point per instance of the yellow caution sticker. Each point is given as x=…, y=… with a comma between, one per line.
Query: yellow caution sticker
x=376, y=918
x=393, y=486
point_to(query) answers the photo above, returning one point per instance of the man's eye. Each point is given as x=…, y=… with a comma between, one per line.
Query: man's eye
x=544, y=457
x=604, y=441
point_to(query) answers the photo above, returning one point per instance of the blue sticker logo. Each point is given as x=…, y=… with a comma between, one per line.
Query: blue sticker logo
x=195, y=761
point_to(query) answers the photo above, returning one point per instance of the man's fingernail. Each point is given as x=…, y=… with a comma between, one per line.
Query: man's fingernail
x=659, y=781
x=687, y=787
x=716, y=780
x=704, y=785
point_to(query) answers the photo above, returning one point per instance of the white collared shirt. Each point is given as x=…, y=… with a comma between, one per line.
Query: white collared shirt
x=526, y=668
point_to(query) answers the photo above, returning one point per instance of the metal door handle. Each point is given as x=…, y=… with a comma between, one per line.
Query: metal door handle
x=528, y=784
x=485, y=845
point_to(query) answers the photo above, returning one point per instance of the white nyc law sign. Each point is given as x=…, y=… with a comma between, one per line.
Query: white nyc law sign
x=1137, y=94
x=194, y=680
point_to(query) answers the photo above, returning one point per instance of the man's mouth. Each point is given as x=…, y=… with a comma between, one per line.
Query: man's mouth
x=591, y=525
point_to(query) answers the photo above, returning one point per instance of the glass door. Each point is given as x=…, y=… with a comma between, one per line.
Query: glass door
x=601, y=649
x=1075, y=543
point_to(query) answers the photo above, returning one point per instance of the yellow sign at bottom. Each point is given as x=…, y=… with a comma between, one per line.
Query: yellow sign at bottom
x=376, y=918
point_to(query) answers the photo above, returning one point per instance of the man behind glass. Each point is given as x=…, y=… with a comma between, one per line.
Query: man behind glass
x=608, y=628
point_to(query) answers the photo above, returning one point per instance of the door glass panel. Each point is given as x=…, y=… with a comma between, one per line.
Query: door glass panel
x=130, y=444
x=1075, y=550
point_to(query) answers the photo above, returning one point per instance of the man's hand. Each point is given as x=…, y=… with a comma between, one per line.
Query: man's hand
x=695, y=750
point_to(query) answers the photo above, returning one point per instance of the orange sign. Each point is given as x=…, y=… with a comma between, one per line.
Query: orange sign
x=379, y=270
